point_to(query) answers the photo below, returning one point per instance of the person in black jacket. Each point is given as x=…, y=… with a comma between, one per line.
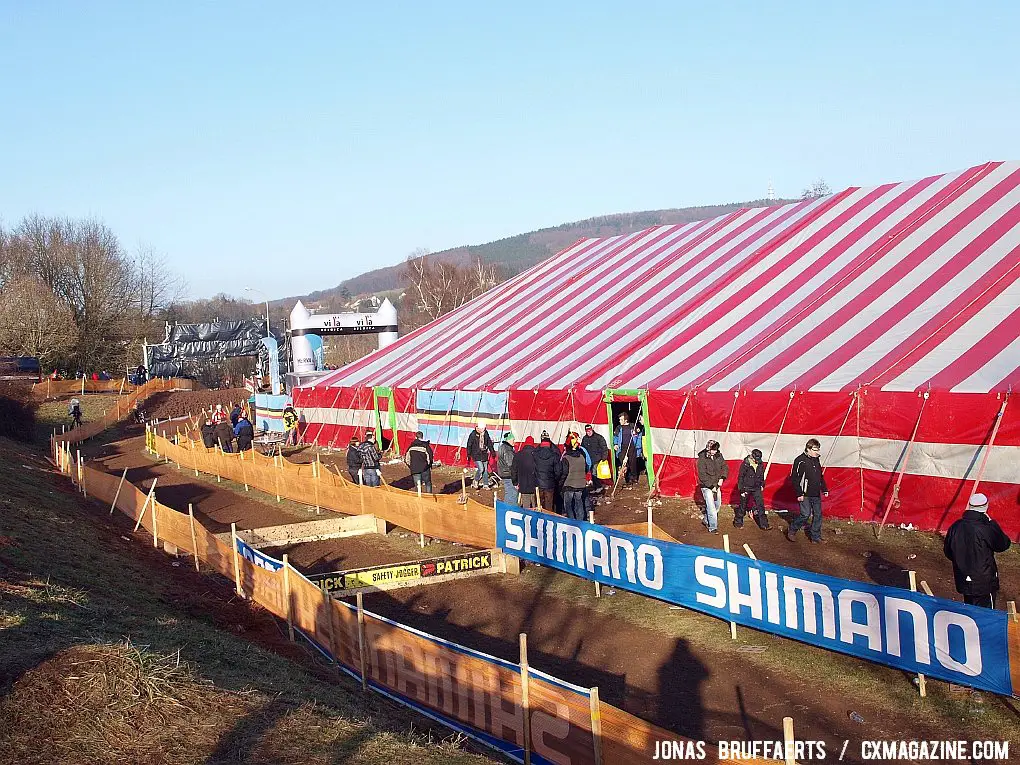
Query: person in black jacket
x=597, y=448
x=371, y=458
x=245, y=433
x=419, y=459
x=750, y=484
x=209, y=434
x=809, y=484
x=235, y=415
x=712, y=471
x=971, y=544
x=550, y=471
x=524, y=473
x=504, y=467
x=479, y=447
x=353, y=459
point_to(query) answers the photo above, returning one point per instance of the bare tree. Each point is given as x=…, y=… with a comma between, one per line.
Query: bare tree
x=34, y=322
x=817, y=189
x=440, y=287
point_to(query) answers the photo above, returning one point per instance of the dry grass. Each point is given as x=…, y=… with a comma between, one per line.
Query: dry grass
x=106, y=658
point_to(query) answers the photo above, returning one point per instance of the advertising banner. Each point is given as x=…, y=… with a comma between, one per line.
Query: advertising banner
x=902, y=629
x=258, y=558
x=380, y=576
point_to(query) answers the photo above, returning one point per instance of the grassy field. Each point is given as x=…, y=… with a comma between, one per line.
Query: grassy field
x=131, y=664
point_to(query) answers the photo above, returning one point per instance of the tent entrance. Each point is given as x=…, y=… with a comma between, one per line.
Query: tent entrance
x=384, y=416
x=633, y=403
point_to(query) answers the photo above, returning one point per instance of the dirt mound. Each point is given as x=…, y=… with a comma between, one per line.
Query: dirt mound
x=113, y=703
x=17, y=410
x=179, y=403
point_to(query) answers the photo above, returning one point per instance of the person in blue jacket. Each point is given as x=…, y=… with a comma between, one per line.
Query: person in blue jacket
x=244, y=433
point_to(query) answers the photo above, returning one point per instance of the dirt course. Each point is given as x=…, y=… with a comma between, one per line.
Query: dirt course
x=674, y=667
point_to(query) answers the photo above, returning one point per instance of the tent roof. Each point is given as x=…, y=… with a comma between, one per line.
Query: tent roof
x=902, y=286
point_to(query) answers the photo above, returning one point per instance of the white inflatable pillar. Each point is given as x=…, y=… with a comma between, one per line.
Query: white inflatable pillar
x=300, y=348
x=386, y=316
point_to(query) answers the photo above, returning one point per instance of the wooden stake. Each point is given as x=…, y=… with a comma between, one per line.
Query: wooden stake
x=788, y=741
x=463, y=487
x=361, y=640
x=1011, y=611
x=194, y=538
x=113, y=505
x=276, y=476
x=316, y=475
x=149, y=498
x=244, y=478
x=286, y=594
x=650, y=534
x=237, y=563
x=525, y=698
x=598, y=586
x=421, y=520
x=327, y=603
x=726, y=547
x=750, y=553
x=78, y=470
x=155, y=536
x=921, y=684
x=596, y=725
x=926, y=589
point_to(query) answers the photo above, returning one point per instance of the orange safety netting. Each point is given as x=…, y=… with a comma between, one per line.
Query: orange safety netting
x=564, y=725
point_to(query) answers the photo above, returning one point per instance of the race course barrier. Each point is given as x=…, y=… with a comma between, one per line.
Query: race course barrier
x=911, y=631
x=966, y=645
x=522, y=711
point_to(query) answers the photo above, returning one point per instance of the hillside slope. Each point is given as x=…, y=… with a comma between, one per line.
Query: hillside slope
x=518, y=253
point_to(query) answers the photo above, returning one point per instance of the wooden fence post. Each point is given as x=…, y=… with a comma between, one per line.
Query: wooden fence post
x=596, y=725
x=113, y=505
x=316, y=475
x=155, y=535
x=150, y=497
x=327, y=603
x=726, y=547
x=217, y=451
x=286, y=594
x=421, y=519
x=650, y=534
x=361, y=640
x=237, y=563
x=921, y=683
x=789, y=742
x=194, y=537
x=525, y=698
x=276, y=476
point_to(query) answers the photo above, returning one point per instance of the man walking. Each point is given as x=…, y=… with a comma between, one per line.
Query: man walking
x=419, y=458
x=712, y=471
x=598, y=450
x=524, y=474
x=370, y=458
x=809, y=484
x=971, y=544
x=479, y=447
x=504, y=467
x=750, y=484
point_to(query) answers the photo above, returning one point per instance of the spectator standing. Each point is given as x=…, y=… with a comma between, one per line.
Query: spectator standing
x=420, y=457
x=549, y=469
x=750, y=484
x=504, y=467
x=598, y=450
x=712, y=471
x=626, y=446
x=575, y=480
x=524, y=474
x=209, y=434
x=353, y=459
x=244, y=432
x=809, y=484
x=370, y=458
x=479, y=447
x=75, y=411
x=971, y=544
x=290, y=426
x=235, y=415
x=224, y=433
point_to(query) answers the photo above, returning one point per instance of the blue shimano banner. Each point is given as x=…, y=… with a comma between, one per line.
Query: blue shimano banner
x=910, y=631
x=258, y=558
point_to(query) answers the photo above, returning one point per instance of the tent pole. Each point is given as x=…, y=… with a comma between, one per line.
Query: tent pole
x=853, y=400
x=991, y=443
x=775, y=443
x=676, y=432
x=894, y=499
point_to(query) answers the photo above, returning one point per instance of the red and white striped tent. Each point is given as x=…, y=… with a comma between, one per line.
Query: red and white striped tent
x=883, y=321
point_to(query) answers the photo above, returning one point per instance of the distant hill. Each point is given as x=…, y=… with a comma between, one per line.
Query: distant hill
x=518, y=253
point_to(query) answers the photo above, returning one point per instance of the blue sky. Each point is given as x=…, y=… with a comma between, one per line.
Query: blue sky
x=289, y=146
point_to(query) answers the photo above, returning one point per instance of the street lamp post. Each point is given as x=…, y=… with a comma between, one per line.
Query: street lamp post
x=263, y=294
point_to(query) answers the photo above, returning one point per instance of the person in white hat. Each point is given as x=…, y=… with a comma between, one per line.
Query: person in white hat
x=971, y=544
x=479, y=447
